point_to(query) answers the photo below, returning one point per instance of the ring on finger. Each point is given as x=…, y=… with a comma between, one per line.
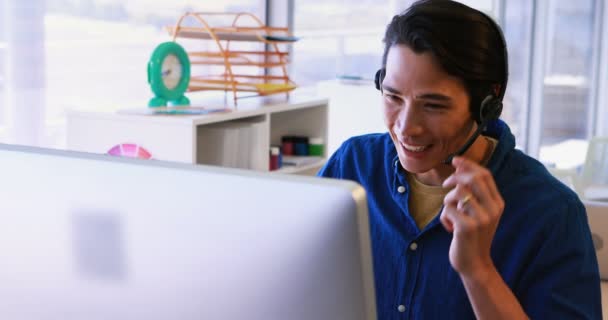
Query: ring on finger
x=465, y=200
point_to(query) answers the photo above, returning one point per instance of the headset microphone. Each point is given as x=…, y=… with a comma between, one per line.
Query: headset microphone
x=465, y=147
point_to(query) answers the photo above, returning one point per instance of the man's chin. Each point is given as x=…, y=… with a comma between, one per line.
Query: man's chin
x=417, y=166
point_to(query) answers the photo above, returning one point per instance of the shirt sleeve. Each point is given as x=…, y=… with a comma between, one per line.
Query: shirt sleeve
x=562, y=280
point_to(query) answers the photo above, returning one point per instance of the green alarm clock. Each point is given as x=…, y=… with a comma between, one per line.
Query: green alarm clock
x=169, y=75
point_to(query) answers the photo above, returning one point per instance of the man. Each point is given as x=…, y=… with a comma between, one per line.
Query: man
x=462, y=224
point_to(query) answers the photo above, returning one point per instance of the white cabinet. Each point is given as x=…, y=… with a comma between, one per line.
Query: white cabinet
x=202, y=139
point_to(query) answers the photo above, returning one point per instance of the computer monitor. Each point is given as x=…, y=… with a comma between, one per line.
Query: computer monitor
x=99, y=237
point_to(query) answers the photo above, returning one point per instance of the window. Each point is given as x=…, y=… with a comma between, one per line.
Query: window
x=487, y=6
x=568, y=81
x=82, y=54
x=344, y=37
x=517, y=27
x=339, y=38
x=550, y=103
x=3, y=67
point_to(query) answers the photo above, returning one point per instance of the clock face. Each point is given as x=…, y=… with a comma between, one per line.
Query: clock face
x=168, y=72
x=171, y=71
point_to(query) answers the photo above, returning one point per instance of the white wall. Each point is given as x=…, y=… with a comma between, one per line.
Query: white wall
x=354, y=109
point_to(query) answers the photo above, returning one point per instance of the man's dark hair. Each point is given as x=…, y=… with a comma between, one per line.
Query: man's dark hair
x=465, y=42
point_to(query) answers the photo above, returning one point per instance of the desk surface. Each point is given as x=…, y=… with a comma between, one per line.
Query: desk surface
x=596, y=192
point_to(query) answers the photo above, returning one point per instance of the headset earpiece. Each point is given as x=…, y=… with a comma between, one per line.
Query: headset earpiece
x=490, y=109
x=379, y=78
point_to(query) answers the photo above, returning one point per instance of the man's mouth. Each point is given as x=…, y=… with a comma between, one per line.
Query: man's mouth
x=414, y=148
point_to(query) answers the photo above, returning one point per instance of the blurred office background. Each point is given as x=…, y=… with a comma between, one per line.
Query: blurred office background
x=92, y=54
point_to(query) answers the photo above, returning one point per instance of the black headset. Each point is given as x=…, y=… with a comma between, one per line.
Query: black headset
x=490, y=107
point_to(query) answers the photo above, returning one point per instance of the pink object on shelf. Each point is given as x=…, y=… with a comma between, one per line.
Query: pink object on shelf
x=129, y=150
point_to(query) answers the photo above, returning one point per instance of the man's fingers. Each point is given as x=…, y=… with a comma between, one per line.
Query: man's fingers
x=457, y=194
x=456, y=219
x=464, y=164
x=446, y=222
x=479, y=176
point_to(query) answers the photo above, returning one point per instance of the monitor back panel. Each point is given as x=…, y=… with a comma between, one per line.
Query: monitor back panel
x=94, y=237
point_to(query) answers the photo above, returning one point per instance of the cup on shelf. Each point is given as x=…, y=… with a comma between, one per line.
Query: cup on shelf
x=301, y=146
x=275, y=158
x=287, y=144
x=315, y=146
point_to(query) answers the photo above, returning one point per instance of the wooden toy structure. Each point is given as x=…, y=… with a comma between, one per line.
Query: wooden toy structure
x=259, y=69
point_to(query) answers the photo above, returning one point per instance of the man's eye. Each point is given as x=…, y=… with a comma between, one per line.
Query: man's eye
x=392, y=97
x=434, y=106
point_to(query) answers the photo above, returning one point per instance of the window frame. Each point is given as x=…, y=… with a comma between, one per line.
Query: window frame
x=601, y=119
x=540, y=44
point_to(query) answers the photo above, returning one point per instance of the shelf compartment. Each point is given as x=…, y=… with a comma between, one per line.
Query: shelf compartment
x=242, y=58
x=308, y=169
x=261, y=88
x=230, y=34
x=265, y=77
x=238, y=63
x=233, y=53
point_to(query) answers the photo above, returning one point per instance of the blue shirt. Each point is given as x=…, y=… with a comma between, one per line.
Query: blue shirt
x=542, y=247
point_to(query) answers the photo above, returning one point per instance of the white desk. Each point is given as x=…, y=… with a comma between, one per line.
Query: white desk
x=596, y=193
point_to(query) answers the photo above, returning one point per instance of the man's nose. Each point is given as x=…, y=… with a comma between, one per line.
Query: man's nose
x=409, y=121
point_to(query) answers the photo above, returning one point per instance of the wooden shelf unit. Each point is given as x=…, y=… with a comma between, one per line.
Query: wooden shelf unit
x=185, y=138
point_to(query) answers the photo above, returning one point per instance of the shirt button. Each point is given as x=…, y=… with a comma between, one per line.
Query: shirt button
x=413, y=246
x=401, y=308
x=401, y=189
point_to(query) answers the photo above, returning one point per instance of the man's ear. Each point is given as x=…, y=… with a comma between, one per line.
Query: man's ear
x=496, y=88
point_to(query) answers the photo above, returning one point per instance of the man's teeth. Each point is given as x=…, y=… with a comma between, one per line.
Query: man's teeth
x=414, y=148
